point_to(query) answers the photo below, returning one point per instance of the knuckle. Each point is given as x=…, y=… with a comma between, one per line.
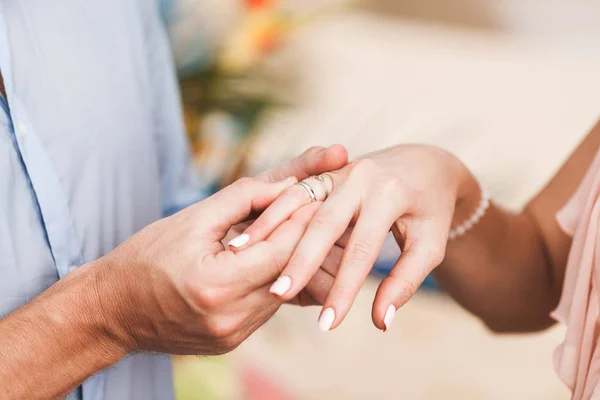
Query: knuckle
x=388, y=186
x=360, y=250
x=210, y=297
x=313, y=151
x=224, y=331
x=434, y=255
x=363, y=167
x=307, y=158
x=245, y=183
x=230, y=343
x=323, y=221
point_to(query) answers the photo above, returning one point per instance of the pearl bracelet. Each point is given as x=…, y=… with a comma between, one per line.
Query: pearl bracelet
x=474, y=219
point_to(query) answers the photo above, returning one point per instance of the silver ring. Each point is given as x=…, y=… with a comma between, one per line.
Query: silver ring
x=311, y=192
x=321, y=180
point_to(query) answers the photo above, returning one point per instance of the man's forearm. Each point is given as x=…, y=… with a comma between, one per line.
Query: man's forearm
x=52, y=344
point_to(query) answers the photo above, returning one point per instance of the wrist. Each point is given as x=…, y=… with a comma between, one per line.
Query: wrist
x=468, y=195
x=105, y=303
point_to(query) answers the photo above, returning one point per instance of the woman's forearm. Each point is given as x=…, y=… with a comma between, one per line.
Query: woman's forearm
x=500, y=272
x=509, y=268
x=49, y=346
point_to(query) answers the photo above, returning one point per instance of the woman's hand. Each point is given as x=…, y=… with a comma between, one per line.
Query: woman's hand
x=412, y=190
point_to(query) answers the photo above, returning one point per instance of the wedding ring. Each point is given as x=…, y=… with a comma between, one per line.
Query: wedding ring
x=321, y=180
x=309, y=189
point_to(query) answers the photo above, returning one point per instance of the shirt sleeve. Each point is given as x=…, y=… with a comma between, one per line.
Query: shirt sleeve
x=179, y=184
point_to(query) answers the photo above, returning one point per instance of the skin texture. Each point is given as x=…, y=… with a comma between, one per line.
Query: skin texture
x=172, y=287
x=508, y=270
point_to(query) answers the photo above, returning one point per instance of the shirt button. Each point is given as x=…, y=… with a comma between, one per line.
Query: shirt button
x=72, y=268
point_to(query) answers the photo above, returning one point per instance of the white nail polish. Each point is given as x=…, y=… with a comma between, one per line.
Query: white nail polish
x=389, y=316
x=281, y=285
x=326, y=320
x=239, y=241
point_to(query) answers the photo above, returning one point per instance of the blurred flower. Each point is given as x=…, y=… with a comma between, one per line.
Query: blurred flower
x=229, y=78
x=263, y=29
x=257, y=4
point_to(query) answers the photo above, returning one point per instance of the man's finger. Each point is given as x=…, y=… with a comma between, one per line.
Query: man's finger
x=292, y=199
x=234, y=203
x=313, y=161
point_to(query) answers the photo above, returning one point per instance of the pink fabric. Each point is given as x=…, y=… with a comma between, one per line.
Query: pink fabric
x=577, y=359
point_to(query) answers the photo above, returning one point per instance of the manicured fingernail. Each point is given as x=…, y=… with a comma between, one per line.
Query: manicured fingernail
x=389, y=317
x=326, y=319
x=239, y=241
x=281, y=285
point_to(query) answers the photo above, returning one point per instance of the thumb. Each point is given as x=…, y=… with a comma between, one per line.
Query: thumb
x=236, y=202
x=313, y=161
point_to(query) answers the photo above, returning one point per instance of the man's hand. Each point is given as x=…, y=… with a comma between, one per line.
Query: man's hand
x=174, y=288
x=171, y=288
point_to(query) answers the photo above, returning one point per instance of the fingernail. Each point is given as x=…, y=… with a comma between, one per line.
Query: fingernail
x=281, y=285
x=239, y=241
x=389, y=317
x=326, y=319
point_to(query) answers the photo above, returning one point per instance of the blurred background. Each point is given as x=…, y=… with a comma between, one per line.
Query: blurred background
x=510, y=86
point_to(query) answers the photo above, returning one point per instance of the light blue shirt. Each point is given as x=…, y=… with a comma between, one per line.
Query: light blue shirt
x=92, y=149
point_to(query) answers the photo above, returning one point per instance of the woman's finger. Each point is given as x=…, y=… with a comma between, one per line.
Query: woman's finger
x=368, y=236
x=317, y=289
x=422, y=253
x=328, y=224
x=291, y=200
x=261, y=264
